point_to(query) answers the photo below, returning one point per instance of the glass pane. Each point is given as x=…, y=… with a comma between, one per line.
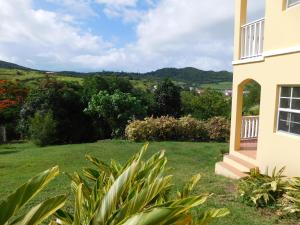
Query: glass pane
x=283, y=126
x=293, y=2
x=283, y=116
x=285, y=103
x=296, y=92
x=295, y=128
x=295, y=117
x=296, y=104
x=283, y=123
x=285, y=92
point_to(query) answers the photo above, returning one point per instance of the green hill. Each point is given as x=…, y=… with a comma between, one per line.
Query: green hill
x=8, y=65
x=185, y=77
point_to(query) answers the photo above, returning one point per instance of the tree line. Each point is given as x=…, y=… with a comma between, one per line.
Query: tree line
x=60, y=112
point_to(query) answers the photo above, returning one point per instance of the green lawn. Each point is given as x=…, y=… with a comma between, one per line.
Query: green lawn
x=19, y=162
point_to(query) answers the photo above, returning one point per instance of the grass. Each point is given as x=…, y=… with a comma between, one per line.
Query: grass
x=219, y=86
x=19, y=162
x=30, y=77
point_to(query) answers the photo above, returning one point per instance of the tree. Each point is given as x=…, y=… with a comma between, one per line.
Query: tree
x=252, y=98
x=167, y=99
x=64, y=100
x=12, y=96
x=42, y=129
x=92, y=85
x=117, y=109
x=210, y=103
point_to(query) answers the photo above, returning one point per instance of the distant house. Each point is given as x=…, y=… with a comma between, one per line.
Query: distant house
x=266, y=51
x=50, y=73
x=228, y=93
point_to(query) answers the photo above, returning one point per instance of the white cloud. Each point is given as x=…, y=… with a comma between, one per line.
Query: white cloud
x=172, y=33
x=42, y=36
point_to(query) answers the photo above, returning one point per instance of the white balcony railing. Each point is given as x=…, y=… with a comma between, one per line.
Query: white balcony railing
x=252, y=39
x=250, y=126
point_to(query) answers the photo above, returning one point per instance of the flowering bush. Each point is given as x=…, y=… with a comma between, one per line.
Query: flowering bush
x=218, y=129
x=186, y=128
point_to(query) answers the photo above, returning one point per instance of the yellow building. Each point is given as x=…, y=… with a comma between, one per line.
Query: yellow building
x=266, y=51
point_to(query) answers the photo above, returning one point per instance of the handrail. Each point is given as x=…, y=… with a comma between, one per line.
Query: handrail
x=253, y=22
x=252, y=38
x=249, y=128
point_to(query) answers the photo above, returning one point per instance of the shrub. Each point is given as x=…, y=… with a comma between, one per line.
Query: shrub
x=42, y=129
x=192, y=129
x=262, y=190
x=291, y=199
x=135, y=193
x=166, y=128
x=218, y=129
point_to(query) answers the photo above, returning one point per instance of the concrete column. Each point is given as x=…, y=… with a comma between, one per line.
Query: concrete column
x=240, y=20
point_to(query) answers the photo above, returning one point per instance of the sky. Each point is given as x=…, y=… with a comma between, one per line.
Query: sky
x=119, y=35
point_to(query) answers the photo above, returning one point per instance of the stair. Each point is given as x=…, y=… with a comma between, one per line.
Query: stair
x=235, y=166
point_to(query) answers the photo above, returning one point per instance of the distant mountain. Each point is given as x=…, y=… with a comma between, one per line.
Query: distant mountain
x=191, y=75
x=188, y=76
x=8, y=65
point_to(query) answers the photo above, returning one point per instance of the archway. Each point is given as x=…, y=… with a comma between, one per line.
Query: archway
x=247, y=132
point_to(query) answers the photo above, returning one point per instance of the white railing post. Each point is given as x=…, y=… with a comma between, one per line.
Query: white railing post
x=250, y=125
x=252, y=38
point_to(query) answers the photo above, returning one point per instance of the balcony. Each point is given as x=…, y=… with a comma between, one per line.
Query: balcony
x=252, y=39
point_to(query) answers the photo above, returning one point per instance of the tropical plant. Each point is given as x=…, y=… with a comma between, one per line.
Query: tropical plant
x=291, y=199
x=262, y=190
x=136, y=193
x=11, y=207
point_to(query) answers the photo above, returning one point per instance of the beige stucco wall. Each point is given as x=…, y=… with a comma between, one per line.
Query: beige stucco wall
x=282, y=30
x=274, y=148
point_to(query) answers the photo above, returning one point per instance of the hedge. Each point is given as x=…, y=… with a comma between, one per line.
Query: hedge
x=167, y=128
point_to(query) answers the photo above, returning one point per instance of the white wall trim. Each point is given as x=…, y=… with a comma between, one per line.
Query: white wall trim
x=249, y=60
x=282, y=51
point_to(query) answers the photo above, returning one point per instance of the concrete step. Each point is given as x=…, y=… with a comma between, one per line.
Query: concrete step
x=227, y=170
x=244, y=156
x=238, y=163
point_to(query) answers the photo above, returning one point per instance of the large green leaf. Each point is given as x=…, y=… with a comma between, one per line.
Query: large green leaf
x=25, y=193
x=155, y=216
x=112, y=197
x=142, y=199
x=209, y=215
x=78, y=205
x=42, y=211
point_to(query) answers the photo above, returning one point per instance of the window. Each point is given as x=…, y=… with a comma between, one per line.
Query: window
x=289, y=110
x=292, y=2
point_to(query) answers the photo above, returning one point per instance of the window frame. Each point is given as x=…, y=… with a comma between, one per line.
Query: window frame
x=287, y=110
x=289, y=5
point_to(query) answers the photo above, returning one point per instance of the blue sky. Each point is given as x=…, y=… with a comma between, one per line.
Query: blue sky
x=119, y=35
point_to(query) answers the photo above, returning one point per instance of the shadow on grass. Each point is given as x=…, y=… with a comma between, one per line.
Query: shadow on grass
x=8, y=152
